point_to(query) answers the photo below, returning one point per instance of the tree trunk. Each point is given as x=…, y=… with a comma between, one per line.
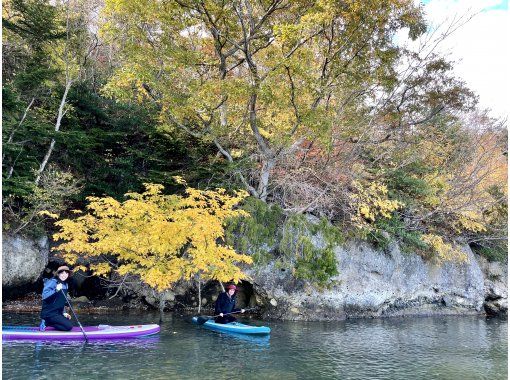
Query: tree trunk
x=11, y=136
x=11, y=169
x=267, y=166
x=57, y=128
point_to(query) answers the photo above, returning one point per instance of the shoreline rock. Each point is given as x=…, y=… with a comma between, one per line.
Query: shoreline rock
x=371, y=284
x=23, y=261
x=31, y=303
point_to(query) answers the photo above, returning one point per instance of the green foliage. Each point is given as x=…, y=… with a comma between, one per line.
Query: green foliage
x=290, y=241
x=497, y=253
x=298, y=245
x=23, y=143
x=51, y=196
x=407, y=184
x=388, y=230
x=36, y=21
x=34, y=28
x=112, y=148
x=116, y=145
x=316, y=265
x=258, y=235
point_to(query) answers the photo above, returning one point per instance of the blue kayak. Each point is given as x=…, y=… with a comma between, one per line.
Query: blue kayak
x=234, y=327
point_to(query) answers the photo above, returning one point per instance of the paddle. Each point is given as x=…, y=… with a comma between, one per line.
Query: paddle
x=75, y=317
x=202, y=319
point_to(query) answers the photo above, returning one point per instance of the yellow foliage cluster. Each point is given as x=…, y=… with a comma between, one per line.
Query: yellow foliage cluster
x=470, y=221
x=371, y=202
x=466, y=195
x=443, y=196
x=439, y=185
x=48, y=214
x=444, y=251
x=161, y=238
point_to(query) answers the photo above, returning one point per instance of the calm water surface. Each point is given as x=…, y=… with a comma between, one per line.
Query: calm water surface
x=411, y=348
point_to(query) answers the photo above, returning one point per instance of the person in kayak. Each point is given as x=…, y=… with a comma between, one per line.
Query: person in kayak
x=226, y=303
x=54, y=301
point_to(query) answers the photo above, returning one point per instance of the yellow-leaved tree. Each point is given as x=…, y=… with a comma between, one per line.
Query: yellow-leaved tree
x=370, y=202
x=159, y=238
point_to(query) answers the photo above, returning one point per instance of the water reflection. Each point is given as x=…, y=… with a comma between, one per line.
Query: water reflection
x=139, y=343
x=255, y=340
x=417, y=348
x=229, y=338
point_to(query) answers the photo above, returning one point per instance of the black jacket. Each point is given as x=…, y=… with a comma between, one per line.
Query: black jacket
x=224, y=304
x=53, y=302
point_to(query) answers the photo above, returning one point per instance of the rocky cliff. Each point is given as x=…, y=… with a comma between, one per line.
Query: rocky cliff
x=370, y=283
x=373, y=283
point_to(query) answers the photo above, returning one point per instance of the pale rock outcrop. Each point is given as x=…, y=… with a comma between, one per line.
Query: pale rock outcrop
x=373, y=283
x=23, y=260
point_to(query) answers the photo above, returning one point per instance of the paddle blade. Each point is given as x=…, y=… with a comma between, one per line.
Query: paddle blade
x=202, y=320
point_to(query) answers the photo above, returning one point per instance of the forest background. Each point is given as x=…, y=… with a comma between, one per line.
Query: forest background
x=313, y=108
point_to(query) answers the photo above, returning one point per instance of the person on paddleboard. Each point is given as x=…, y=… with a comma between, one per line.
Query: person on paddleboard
x=54, y=301
x=225, y=304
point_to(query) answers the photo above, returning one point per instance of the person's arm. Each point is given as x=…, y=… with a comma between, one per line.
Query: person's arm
x=236, y=310
x=50, y=289
x=220, y=303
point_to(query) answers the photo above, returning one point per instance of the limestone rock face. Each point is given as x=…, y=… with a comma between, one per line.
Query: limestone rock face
x=370, y=283
x=23, y=260
x=373, y=283
x=496, y=287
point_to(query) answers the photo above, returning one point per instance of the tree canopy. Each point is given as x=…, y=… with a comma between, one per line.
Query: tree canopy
x=160, y=238
x=311, y=107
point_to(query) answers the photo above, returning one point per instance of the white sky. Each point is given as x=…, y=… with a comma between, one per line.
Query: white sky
x=480, y=48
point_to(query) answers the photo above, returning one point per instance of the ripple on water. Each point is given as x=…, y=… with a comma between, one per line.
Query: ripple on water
x=417, y=348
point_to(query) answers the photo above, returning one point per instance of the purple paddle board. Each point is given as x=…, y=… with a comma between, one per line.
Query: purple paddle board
x=93, y=332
